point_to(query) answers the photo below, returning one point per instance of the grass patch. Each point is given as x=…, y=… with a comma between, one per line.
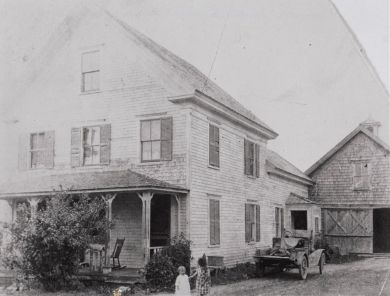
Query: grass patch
x=238, y=273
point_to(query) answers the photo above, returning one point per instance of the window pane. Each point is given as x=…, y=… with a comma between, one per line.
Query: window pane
x=34, y=159
x=156, y=146
x=156, y=130
x=96, y=155
x=87, y=136
x=34, y=141
x=87, y=155
x=146, y=150
x=145, y=130
x=95, y=135
x=91, y=81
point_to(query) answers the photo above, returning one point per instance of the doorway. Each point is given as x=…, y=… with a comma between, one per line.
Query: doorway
x=381, y=225
x=160, y=221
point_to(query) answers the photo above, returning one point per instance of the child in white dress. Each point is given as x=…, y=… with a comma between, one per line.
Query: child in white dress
x=182, y=285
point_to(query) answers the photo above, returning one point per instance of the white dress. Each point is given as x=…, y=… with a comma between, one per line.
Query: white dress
x=182, y=285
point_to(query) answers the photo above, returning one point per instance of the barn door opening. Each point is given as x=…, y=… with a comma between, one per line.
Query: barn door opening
x=381, y=223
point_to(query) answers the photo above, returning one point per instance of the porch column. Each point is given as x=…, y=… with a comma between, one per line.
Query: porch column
x=33, y=201
x=178, y=214
x=108, y=199
x=146, y=198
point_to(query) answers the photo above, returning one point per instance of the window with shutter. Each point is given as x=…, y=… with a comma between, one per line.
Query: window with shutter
x=90, y=71
x=156, y=139
x=361, y=175
x=214, y=211
x=90, y=145
x=251, y=159
x=213, y=145
x=252, y=223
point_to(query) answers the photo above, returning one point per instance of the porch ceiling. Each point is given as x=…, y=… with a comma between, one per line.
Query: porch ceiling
x=107, y=181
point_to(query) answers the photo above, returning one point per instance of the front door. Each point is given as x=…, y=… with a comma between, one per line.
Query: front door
x=381, y=223
x=160, y=221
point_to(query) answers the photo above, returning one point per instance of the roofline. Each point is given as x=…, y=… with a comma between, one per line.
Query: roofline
x=306, y=200
x=359, y=48
x=8, y=196
x=289, y=176
x=201, y=99
x=342, y=143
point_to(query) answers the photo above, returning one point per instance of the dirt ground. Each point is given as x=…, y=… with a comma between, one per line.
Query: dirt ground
x=360, y=278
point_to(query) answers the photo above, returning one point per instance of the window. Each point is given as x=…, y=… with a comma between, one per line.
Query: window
x=252, y=223
x=279, y=221
x=156, y=139
x=90, y=71
x=299, y=220
x=41, y=150
x=251, y=158
x=317, y=225
x=361, y=177
x=214, y=222
x=90, y=145
x=213, y=146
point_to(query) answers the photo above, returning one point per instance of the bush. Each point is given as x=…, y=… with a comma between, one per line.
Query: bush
x=180, y=252
x=160, y=272
x=47, y=245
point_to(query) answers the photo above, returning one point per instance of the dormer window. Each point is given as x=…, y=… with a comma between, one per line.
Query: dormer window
x=90, y=70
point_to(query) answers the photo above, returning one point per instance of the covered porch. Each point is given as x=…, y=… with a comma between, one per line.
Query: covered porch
x=143, y=211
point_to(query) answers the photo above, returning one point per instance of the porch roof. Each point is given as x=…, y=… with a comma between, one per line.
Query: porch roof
x=295, y=199
x=106, y=181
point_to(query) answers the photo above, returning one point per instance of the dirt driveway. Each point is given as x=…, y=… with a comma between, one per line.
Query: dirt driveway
x=364, y=277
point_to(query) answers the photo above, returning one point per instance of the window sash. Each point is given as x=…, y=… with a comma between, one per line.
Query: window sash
x=213, y=145
x=252, y=222
x=38, y=150
x=90, y=81
x=361, y=178
x=153, y=141
x=251, y=158
x=92, y=145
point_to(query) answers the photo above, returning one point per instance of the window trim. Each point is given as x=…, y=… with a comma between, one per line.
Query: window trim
x=214, y=198
x=253, y=230
x=256, y=159
x=31, y=151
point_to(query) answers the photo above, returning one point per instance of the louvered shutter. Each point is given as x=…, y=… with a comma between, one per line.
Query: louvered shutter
x=247, y=223
x=246, y=158
x=24, y=158
x=76, y=149
x=214, y=222
x=257, y=160
x=105, y=143
x=257, y=223
x=214, y=145
x=282, y=220
x=49, y=149
x=166, y=138
x=277, y=226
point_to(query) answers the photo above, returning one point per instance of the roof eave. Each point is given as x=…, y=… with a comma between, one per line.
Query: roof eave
x=200, y=99
x=289, y=176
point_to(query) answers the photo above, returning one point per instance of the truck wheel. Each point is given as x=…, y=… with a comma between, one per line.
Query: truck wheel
x=322, y=263
x=303, y=268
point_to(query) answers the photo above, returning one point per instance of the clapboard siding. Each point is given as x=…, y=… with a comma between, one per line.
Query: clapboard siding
x=234, y=189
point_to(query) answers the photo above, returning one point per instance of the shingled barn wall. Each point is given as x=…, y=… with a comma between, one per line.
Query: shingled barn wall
x=341, y=204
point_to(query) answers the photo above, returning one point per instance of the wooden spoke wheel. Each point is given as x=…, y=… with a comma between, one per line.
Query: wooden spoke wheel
x=322, y=263
x=303, y=268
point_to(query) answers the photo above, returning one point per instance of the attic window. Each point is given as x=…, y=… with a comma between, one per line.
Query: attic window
x=361, y=176
x=90, y=70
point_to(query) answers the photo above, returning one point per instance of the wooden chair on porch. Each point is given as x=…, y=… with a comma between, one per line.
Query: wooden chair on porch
x=116, y=252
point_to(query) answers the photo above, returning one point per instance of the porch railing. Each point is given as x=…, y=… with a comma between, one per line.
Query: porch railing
x=161, y=250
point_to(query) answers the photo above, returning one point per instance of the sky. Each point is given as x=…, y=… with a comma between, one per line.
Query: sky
x=293, y=63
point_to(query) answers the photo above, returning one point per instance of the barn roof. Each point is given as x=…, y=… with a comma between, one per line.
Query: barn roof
x=277, y=164
x=360, y=129
x=86, y=182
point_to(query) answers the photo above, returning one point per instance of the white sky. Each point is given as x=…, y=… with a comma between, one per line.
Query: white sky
x=290, y=62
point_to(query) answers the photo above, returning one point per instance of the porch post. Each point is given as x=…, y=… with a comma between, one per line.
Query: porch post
x=108, y=199
x=33, y=201
x=12, y=204
x=178, y=214
x=146, y=198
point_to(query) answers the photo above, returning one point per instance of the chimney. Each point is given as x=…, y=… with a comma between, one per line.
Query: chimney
x=371, y=125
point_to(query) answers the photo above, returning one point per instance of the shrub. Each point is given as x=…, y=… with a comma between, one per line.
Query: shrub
x=160, y=272
x=47, y=245
x=180, y=252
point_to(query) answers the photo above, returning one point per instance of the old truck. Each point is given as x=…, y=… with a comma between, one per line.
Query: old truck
x=290, y=252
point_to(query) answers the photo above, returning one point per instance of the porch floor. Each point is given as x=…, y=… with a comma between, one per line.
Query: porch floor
x=123, y=276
